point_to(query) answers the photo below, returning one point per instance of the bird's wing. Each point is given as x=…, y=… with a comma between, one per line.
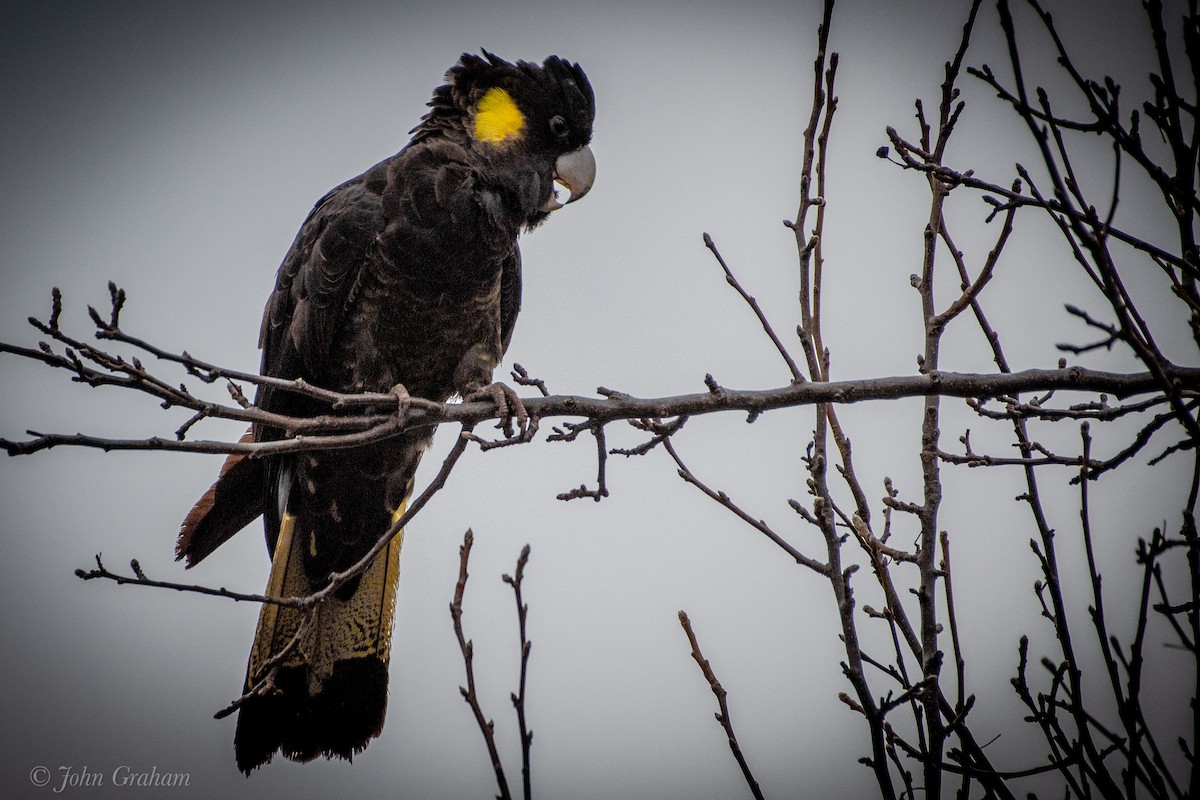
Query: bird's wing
x=316, y=281
x=510, y=297
x=313, y=289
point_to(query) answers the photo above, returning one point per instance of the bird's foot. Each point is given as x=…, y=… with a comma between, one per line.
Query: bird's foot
x=403, y=401
x=509, y=408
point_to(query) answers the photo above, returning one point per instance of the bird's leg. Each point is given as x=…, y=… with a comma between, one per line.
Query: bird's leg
x=508, y=407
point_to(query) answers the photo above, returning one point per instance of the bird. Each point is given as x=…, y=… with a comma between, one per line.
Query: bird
x=405, y=279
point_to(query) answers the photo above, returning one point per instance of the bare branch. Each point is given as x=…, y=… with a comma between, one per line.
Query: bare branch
x=722, y=715
x=518, y=697
x=601, y=490
x=139, y=579
x=797, y=376
x=486, y=726
x=627, y=407
x=757, y=524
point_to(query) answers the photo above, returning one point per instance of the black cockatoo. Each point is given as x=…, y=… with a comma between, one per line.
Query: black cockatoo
x=407, y=275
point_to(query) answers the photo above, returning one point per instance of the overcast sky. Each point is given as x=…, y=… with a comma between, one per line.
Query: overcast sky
x=176, y=147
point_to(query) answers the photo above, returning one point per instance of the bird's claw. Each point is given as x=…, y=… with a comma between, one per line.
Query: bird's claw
x=403, y=401
x=508, y=407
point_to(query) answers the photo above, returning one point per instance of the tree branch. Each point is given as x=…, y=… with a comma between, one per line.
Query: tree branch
x=722, y=715
x=486, y=726
x=518, y=697
x=629, y=407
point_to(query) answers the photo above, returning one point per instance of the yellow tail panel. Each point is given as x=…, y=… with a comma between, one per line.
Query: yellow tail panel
x=358, y=627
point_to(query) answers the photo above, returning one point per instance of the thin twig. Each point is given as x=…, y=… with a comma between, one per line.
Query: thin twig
x=722, y=715
x=757, y=524
x=601, y=490
x=266, y=685
x=336, y=579
x=518, y=697
x=486, y=726
x=139, y=579
x=797, y=376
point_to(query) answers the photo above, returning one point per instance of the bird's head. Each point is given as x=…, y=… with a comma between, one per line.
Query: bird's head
x=518, y=114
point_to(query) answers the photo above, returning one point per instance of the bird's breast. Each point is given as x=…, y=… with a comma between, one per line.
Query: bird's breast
x=414, y=331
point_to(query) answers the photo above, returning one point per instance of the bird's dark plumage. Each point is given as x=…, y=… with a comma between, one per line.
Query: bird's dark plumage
x=407, y=274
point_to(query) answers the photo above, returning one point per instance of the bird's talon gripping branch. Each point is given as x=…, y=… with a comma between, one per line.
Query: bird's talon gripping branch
x=508, y=408
x=403, y=402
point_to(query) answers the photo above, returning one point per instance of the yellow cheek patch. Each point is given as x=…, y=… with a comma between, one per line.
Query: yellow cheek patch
x=497, y=118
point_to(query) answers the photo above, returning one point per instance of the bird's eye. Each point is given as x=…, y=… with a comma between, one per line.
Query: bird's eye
x=559, y=127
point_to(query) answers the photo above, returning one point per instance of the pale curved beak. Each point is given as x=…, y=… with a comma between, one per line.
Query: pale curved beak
x=575, y=171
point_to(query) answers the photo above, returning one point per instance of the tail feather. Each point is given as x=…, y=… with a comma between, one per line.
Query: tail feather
x=330, y=692
x=230, y=504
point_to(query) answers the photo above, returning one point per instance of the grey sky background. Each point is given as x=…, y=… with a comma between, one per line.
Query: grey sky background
x=176, y=147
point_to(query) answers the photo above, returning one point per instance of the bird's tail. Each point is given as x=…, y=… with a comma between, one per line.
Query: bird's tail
x=326, y=669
